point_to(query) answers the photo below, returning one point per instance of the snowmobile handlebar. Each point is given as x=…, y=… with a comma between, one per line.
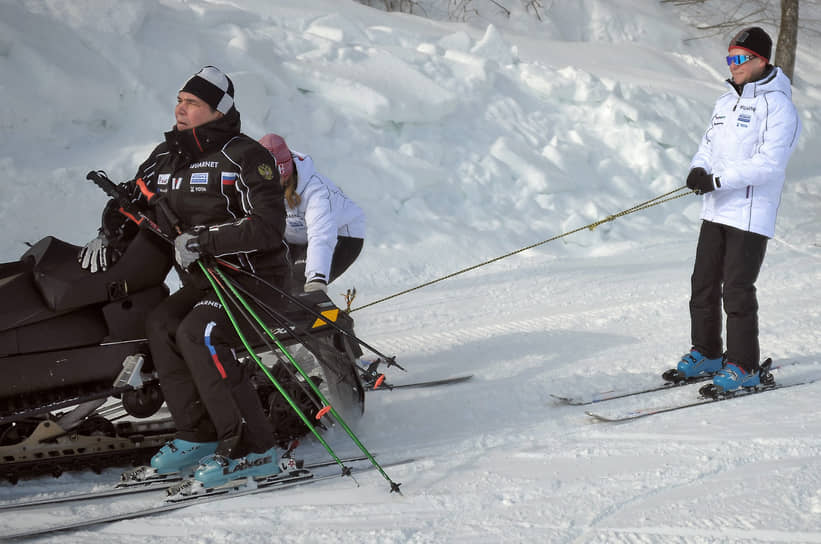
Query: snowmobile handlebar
x=127, y=207
x=110, y=188
x=121, y=195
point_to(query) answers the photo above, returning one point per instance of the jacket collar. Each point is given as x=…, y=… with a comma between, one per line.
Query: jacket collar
x=198, y=141
x=773, y=79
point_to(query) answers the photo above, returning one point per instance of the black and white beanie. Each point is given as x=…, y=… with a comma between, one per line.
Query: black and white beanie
x=754, y=40
x=212, y=87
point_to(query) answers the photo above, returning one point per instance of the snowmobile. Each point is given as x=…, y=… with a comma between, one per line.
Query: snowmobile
x=79, y=389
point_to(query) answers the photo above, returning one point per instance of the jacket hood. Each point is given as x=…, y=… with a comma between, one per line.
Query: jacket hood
x=305, y=170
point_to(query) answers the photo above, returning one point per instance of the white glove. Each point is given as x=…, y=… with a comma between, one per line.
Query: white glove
x=315, y=285
x=186, y=250
x=94, y=256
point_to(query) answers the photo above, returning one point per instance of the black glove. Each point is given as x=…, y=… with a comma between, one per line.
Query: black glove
x=700, y=181
x=186, y=250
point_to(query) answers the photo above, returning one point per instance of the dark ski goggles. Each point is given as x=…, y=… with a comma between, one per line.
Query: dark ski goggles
x=738, y=59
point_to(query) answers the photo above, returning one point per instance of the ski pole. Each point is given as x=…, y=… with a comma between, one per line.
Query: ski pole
x=214, y=284
x=390, y=361
x=256, y=328
x=375, y=377
x=278, y=318
x=328, y=406
x=129, y=210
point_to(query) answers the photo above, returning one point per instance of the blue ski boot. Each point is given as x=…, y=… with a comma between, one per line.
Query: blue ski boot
x=695, y=364
x=733, y=377
x=181, y=456
x=217, y=470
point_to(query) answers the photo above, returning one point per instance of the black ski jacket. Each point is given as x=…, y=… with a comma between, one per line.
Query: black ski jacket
x=221, y=185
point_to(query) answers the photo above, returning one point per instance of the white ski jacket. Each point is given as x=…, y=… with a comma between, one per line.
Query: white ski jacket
x=323, y=214
x=746, y=148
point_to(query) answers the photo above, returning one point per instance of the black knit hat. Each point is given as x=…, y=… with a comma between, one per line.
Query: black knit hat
x=212, y=87
x=754, y=40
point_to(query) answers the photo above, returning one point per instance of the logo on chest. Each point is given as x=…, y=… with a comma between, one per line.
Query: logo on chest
x=199, y=178
x=228, y=178
x=199, y=182
x=162, y=182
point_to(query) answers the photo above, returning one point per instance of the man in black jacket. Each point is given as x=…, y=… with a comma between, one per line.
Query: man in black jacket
x=225, y=200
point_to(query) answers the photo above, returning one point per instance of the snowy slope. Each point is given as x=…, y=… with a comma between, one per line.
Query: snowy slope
x=462, y=142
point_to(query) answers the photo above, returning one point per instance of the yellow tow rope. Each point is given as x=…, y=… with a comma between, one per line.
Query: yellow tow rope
x=661, y=199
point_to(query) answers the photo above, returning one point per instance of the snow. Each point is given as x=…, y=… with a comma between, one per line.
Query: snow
x=463, y=141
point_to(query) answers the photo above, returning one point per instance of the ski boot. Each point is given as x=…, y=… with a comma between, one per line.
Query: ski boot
x=181, y=456
x=216, y=470
x=176, y=459
x=733, y=377
x=693, y=365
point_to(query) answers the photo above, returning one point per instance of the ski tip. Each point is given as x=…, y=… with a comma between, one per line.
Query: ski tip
x=567, y=401
x=598, y=417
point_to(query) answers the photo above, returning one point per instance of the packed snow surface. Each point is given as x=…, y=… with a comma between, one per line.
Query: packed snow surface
x=463, y=141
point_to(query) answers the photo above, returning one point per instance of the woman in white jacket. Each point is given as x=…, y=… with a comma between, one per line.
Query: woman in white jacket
x=740, y=168
x=324, y=229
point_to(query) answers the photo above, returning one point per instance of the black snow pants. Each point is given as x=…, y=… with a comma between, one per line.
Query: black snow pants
x=208, y=393
x=345, y=253
x=728, y=261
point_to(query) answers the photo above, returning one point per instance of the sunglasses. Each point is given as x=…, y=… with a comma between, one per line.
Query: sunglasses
x=739, y=59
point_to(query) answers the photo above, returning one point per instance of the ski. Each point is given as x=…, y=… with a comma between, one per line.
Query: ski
x=646, y=412
x=373, y=380
x=605, y=396
x=273, y=483
x=130, y=488
x=385, y=386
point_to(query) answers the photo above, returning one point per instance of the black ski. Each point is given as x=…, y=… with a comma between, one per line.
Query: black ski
x=385, y=386
x=133, y=488
x=374, y=380
x=645, y=412
x=274, y=483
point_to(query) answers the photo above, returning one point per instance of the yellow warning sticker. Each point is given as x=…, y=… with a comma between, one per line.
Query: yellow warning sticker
x=330, y=314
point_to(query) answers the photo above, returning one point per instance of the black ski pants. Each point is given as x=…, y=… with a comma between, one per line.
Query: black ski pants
x=728, y=261
x=345, y=253
x=209, y=393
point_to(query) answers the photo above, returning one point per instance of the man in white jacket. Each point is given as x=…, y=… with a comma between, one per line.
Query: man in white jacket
x=740, y=169
x=324, y=229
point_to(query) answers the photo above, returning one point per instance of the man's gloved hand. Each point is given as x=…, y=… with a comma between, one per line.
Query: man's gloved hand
x=700, y=181
x=95, y=255
x=316, y=285
x=186, y=250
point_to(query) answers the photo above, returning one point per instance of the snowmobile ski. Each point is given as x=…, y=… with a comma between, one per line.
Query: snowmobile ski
x=130, y=488
x=273, y=483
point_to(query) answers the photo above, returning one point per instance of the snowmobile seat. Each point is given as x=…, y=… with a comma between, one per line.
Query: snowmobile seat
x=64, y=285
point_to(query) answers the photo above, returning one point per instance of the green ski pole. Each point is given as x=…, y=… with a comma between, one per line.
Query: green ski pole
x=328, y=407
x=345, y=470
